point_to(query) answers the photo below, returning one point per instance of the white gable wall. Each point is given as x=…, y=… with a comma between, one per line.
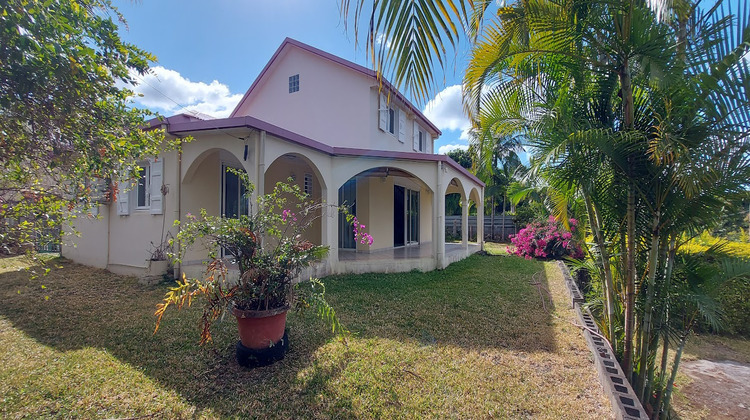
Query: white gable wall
x=335, y=105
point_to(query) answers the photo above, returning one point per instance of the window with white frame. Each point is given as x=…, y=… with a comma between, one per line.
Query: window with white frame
x=421, y=140
x=143, y=187
x=392, y=120
x=294, y=83
x=308, y=184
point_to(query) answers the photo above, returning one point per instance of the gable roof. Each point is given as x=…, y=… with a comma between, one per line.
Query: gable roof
x=289, y=42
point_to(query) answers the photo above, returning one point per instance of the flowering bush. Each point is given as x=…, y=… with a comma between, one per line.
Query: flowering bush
x=269, y=251
x=546, y=240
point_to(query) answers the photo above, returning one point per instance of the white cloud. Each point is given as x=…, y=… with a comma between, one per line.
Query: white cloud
x=381, y=38
x=168, y=91
x=446, y=111
x=443, y=150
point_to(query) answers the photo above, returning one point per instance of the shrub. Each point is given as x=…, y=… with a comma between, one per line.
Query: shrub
x=530, y=212
x=734, y=298
x=548, y=240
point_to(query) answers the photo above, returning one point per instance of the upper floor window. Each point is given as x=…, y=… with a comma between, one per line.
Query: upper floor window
x=392, y=120
x=421, y=138
x=294, y=83
x=143, y=187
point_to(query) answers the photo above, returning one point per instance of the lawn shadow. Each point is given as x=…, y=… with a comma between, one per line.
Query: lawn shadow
x=92, y=308
x=481, y=302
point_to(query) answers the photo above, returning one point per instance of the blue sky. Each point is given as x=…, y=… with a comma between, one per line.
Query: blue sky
x=209, y=52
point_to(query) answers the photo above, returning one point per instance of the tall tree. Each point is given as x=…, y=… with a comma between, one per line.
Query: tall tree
x=63, y=119
x=640, y=108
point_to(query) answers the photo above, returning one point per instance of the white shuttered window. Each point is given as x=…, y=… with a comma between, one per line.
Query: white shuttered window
x=156, y=180
x=383, y=113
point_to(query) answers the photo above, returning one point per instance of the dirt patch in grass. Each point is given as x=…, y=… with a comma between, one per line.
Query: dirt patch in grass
x=719, y=389
x=714, y=379
x=471, y=341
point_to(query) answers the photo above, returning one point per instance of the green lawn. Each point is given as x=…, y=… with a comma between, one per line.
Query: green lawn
x=471, y=341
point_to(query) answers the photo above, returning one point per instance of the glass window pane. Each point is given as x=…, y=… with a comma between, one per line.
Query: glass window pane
x=231, y=195
x=141, y=189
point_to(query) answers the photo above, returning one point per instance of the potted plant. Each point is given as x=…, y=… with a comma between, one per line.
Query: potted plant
x=158, y=261
x=266, y=251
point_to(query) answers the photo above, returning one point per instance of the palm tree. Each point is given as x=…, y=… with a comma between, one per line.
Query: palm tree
x=496, y=167
x=643, y=114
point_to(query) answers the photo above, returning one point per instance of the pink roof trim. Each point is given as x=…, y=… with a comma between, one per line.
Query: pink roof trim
x=346, y=63
x=180, y=126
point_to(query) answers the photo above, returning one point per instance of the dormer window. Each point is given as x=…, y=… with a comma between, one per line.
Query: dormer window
x=294, y=83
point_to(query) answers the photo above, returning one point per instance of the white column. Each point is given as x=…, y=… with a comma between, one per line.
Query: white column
x=330, y=223
x=261, y=161
x=465, y=221
x=439, y=219
x=480, y=220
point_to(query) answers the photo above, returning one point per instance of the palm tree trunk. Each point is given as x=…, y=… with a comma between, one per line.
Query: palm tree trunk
x=673, y=377
x=665, y=321
x=629, y=118
x=609, y=290
x=629, y=283
x=648, y=310
x=503, y=229
x=492, y=231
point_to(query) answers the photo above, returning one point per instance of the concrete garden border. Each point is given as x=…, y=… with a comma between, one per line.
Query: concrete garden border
x=625, y=404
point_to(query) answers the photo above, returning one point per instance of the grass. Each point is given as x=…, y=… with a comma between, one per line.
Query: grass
x=471, y=341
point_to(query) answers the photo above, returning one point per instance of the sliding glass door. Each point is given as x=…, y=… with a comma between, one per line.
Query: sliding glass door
x=405, y=216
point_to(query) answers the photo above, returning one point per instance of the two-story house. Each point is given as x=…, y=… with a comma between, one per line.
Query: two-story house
x=332, y=127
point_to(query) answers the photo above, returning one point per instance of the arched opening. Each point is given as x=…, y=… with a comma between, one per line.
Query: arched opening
x=295, y=169
x=475, y=221
x=454, y=202
x=208, y=185
x=393, y=204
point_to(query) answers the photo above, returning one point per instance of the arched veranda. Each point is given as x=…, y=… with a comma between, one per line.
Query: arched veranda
x=395, y=206
x=296, y=169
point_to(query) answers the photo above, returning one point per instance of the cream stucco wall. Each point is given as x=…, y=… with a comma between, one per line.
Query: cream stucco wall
x=375, y=211
x=335, y=105
x=122, y=243
x=87, y=243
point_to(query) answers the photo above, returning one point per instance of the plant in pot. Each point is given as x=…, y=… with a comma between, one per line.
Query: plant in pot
x=265, y=251
x=158, y=261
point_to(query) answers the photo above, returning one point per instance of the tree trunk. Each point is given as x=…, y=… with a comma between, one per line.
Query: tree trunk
x=503, y=229
x=665, y=320
x=630, y=274
x=492, y=231
x=609, y=291
x=646, y=327
x=629, y=283
x=675, y=366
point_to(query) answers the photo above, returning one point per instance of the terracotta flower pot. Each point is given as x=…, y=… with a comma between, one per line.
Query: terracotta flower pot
x=261, y=329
